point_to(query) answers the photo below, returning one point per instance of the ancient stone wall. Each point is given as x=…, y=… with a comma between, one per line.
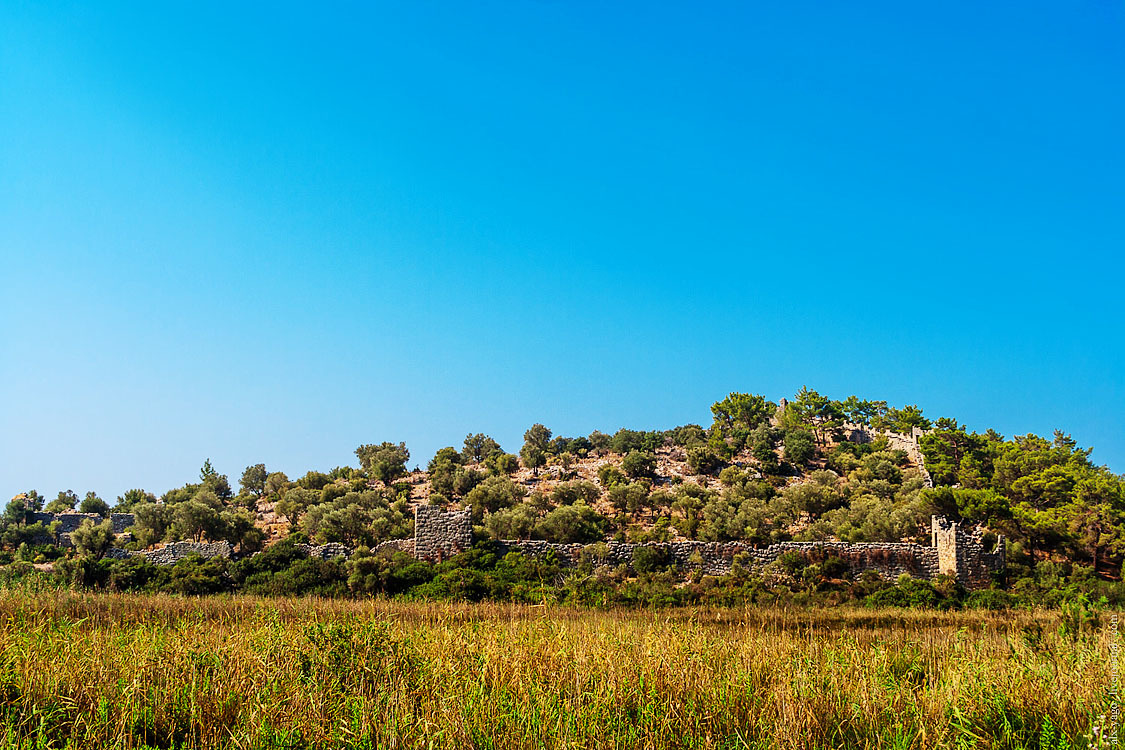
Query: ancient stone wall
x=440, y=534
x=955, y=551
x=170, y=554
x=889, y=560
x=898, y=441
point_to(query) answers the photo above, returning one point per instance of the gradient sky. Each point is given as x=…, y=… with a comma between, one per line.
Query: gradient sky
x=273, y=233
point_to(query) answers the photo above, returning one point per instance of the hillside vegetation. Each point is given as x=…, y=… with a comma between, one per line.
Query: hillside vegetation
x=759, y=473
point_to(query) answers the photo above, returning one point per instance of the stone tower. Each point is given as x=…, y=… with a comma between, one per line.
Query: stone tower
x=961, y=553
x=441, y=534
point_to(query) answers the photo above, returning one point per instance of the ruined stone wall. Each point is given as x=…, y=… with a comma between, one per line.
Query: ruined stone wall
x=170, y=554
x=889, y=560
x=898, y=441
x=955, y=551
x=440, y=534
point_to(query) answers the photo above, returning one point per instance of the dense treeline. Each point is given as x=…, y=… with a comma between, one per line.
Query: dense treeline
x=759, y=473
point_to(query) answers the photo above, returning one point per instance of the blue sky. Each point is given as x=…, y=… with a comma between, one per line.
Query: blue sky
x=273, y=233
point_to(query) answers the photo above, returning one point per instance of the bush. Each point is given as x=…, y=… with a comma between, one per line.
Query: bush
x=196, y=576
x=907, y=592
x=799, y=447
x=703, y=460
x=650, y=559
x=383, y=573
x=991, y=599
x=570, y=493
x=609, y=475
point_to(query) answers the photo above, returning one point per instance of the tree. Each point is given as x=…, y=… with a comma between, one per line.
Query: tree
x=500, y=463
x=348, y=524
x=572, y=523
x=569, y=493
x=34, y=500
x=516, y=522
x=533, y=458
x=743, y=410
x=385, y=462
x=214, y=481
x=599, y=441
x=20, y=509
x=199, y=517
x=689, y=436
x=901, y=420
x=493, y=494
x=253, y=481
x=131, y=498
x=954, y=456
x=94, y=504
x=609, y=475
x=536, y=443
x=537, y=436
x=275, y=482
x=860, y=411
x=810, y=409
x=314, y=480
x=479, y=447
x=816, y=496
x=67, y=500
x=639, y=464
x=150, y=522
x=762, y=442
x=624, y=441
x=443, y=470
x=629, y=498
x=92, y=540
x=295, y=502
x=448, y=455
x=239, y=529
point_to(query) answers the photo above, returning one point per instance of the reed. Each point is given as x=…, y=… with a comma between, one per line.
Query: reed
x=124, y=671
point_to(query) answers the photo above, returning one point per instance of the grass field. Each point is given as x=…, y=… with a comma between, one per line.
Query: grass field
x=104, y=670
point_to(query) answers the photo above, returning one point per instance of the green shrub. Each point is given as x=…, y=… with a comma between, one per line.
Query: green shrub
x=650, y=559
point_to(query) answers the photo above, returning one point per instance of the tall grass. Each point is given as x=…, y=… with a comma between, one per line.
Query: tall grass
x=120, y=671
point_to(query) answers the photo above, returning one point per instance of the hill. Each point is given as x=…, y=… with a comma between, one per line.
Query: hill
x=809, y=469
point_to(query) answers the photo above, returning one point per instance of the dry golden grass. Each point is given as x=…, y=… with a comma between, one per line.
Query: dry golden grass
x=98, y=670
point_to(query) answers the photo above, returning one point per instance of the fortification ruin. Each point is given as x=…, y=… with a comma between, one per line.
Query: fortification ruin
x=439, y=534
x=954, y=551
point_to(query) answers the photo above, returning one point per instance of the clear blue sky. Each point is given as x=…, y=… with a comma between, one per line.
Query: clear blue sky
x=273, y=233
